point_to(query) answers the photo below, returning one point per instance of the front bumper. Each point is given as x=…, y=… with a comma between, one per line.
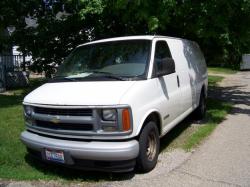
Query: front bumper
x=106, y=152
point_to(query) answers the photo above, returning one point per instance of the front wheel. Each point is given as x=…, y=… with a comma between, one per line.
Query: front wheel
x=149, y=147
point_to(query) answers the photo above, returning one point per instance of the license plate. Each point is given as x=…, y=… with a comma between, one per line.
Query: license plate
x=54, y=155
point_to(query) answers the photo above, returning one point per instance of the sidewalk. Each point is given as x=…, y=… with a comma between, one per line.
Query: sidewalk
x=224, y=159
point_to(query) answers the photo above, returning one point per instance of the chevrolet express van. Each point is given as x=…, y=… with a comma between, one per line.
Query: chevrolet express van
x=112, y=100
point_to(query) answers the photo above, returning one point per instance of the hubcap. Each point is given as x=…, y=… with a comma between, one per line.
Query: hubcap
x=151, y=146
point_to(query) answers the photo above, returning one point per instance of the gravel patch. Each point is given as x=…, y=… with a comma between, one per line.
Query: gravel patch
x=167, y=162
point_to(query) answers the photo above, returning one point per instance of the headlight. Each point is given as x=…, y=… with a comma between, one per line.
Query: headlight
x=28, y=110
x=109, y=114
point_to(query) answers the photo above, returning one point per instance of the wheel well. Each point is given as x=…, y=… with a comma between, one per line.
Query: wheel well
x=154, y=116
x=203, y=91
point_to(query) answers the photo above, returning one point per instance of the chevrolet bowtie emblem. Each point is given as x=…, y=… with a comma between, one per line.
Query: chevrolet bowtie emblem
x=55, y=120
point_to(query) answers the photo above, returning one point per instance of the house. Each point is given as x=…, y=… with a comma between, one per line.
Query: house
x=5, y=62
x=245, y=65
x=11, y=74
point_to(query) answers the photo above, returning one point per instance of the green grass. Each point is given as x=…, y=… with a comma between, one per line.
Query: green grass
x=214, y=80
x=16, y=164
x=189, y=133
x=13, y=160
x=216, y=113
x=221, y=70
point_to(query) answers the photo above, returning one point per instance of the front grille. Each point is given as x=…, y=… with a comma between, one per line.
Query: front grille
x=63, y=112
x=64, y=126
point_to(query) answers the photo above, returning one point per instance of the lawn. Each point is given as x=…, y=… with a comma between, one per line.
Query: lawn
x=214, y=80
x=190, y=133
x=16, y=164
x=221, y=70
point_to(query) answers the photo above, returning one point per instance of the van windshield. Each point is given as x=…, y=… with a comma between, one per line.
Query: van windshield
x=119, y=60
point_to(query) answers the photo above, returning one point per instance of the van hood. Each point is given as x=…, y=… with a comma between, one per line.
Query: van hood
x=79, y=93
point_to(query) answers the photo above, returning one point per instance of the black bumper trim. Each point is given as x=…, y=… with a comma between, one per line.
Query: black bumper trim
x=88, y=165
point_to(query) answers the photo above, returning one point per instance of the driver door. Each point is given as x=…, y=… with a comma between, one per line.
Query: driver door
x=168, y=83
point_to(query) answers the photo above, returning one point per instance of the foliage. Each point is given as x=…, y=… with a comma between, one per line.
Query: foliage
x=220, y=27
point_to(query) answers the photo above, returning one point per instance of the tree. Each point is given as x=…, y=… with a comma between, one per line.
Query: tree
x=220, y=27
x=54, y=36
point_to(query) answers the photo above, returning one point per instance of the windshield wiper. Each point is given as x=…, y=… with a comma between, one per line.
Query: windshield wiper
x=61, y=78
x=108, y=75
x=98, y=73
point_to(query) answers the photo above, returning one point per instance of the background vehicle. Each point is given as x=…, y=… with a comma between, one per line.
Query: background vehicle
x=113, y=99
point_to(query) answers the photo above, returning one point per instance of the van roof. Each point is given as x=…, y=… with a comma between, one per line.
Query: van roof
x=137, y=37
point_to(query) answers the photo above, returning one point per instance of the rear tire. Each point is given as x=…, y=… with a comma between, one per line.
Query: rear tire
x=200, y=111
x=149, y=147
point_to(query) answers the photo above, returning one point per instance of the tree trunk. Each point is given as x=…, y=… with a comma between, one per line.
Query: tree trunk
x=24, y=63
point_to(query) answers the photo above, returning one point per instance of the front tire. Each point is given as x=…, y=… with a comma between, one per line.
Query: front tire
x=149, y=147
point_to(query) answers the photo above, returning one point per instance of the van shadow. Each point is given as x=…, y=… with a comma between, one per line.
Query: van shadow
x=75, y=174
x=176, y=132
x=234, y=94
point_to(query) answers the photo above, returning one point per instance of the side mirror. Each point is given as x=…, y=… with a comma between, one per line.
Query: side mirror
x=164, y=67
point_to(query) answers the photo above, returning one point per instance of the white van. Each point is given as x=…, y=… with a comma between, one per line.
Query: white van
x=112, y=100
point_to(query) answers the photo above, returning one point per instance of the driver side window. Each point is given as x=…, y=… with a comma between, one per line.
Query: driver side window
x=161, y=50
x=162, y=59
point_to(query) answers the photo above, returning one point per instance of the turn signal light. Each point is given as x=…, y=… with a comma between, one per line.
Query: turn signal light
x=126, y=120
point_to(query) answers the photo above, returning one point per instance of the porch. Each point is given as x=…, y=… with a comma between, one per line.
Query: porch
x=13, y=71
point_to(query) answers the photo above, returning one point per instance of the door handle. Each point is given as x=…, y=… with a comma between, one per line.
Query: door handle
x=178, y=81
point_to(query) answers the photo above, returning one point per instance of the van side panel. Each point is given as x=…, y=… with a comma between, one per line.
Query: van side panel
x=197, y=68
x=177, y=48
x=191, y=70
x=202, y=66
